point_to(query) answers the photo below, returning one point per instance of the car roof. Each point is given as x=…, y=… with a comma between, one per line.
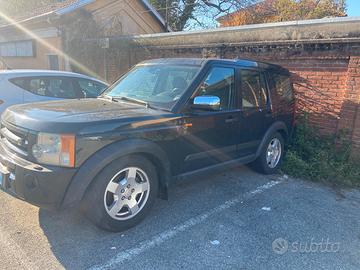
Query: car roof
x=40, y=72
x=202, y=61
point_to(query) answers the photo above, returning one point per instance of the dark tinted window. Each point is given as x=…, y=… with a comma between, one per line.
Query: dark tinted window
x=59, y=87
x=253, y=89
x=90, y=88
x=219, y=82
x=283, y=86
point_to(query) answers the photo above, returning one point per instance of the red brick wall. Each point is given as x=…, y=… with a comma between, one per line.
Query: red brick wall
x=320, y=87
x=350, y=114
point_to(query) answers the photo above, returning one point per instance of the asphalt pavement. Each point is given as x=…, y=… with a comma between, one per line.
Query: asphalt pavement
x=233, y=220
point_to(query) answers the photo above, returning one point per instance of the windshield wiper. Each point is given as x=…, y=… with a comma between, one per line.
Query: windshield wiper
x=134, y=100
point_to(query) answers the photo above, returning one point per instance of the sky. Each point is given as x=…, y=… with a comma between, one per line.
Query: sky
x=353, y=7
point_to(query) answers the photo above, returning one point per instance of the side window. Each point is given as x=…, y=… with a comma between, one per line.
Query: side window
x=89, y=88
x=59, y=87
x=253, y=89
x=35, y=85
x=219, y=82
x=283, y=86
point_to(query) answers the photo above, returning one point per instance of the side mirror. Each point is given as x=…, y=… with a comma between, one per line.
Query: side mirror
x=208, y=103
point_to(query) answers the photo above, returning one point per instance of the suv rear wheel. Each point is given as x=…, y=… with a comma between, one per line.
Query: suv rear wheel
x=122, y=193
x=271, y=155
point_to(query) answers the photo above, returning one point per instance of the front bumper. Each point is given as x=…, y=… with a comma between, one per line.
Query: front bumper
x=34, y=183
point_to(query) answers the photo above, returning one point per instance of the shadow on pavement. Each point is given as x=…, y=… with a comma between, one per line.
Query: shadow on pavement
x=77, y=244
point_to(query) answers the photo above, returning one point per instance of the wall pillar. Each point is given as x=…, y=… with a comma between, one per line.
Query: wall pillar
x=350, y=111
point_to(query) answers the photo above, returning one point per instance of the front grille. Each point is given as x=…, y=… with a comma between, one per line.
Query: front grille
x=15, y=140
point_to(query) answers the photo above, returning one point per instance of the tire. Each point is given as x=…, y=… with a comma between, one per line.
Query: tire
x=262, y=164
x=122, y=194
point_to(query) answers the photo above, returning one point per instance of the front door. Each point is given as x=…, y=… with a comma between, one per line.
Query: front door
x=211, y=136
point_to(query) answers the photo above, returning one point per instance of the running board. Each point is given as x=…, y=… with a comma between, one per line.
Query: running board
x=217, y=167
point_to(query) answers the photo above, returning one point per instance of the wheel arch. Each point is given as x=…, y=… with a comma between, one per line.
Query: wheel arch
x=93, y=166
x=278, y=126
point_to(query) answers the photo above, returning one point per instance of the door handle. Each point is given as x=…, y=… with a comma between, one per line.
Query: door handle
x=231, y=119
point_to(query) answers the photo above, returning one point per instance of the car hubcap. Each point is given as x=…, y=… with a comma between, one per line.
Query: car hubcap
x=273, y=153
x=127, y=193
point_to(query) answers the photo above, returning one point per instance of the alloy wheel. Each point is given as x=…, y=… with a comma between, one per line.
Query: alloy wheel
x=273, y=153
x=126, y=193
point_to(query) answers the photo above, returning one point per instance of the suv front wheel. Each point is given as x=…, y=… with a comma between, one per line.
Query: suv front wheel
x=122, y=193
x=271, y=155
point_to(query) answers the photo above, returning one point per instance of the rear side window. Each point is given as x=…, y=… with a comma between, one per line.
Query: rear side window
x=282, y=85
x=253, y=89
x=91, y=89
x=58, y=87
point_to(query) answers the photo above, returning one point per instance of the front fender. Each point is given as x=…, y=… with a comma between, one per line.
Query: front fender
x=93, y=165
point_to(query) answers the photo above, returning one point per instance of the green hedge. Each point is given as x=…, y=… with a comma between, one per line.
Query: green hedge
x=321, y=158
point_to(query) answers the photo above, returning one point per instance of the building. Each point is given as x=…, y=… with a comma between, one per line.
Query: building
x=41, y=38
x=258, y=13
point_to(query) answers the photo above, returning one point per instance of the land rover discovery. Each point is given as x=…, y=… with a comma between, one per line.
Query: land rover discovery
x=163, y=120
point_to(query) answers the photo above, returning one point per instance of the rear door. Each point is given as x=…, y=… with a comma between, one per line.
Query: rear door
x=253, y=99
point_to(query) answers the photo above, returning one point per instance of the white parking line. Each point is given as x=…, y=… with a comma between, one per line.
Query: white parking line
x=171, y=233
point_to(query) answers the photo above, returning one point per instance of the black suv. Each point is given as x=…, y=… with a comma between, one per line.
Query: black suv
x=163, y=120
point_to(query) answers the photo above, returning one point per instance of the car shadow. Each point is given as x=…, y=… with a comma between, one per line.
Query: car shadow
x=78, y=244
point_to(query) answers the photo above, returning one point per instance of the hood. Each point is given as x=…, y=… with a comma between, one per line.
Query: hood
x=73, y=115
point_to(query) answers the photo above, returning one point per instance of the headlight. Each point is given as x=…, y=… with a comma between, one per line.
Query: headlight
x=54, y=149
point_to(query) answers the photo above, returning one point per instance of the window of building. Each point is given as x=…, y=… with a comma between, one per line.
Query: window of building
x=23, y=48
x=53, y=60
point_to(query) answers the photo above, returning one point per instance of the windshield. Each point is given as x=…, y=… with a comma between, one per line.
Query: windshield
x=158, y=85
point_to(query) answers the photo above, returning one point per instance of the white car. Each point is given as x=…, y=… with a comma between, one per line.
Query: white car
x=26, y=86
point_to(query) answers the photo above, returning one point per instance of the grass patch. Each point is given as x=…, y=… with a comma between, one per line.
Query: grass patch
x=321, y=158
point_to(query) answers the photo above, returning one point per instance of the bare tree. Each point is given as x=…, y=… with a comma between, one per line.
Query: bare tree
x=182, y=14
x=179, y=14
